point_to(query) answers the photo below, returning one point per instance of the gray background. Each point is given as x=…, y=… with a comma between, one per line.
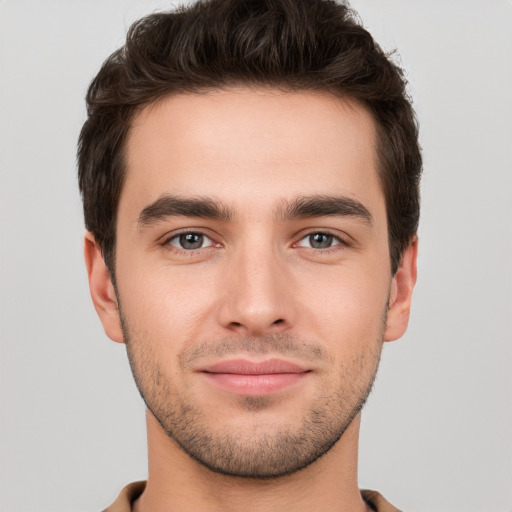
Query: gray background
x=437, y=432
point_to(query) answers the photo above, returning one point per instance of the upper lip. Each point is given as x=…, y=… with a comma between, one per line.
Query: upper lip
x=246, y=367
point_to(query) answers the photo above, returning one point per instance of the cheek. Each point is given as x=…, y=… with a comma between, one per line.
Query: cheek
x=165, y=307
x=345, y=308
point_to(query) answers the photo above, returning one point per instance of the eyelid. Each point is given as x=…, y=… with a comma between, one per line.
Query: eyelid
x=176, y=237
x=341, y=238
x=166, y=239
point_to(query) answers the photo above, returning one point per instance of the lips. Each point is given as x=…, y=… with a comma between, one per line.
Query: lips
x=250, y=378
x=244, y=367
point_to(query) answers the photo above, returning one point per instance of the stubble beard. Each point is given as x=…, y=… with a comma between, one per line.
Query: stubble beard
x=254, y=452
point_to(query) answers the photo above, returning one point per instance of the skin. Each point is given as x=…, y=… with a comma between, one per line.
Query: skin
x=256, y=288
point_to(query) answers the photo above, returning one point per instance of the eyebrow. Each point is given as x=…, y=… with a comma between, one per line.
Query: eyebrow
x=324, y=206
x=170, y=206
x=204, y=207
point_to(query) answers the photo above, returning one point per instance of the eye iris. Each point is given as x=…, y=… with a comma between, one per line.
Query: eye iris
x=320, y=241
x=191, y=240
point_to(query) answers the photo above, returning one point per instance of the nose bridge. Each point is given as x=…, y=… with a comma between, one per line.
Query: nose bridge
x=256, y=298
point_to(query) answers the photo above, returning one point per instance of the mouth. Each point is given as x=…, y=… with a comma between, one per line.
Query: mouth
x=249, y=378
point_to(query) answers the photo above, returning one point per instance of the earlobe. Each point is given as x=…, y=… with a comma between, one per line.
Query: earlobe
x=400, y=294
x=102, y=290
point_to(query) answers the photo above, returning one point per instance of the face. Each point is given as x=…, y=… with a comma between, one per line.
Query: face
x=253, y=273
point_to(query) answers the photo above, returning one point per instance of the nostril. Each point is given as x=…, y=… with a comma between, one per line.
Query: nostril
x=256, y=327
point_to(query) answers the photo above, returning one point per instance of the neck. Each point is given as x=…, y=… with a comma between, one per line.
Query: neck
x=177, y=482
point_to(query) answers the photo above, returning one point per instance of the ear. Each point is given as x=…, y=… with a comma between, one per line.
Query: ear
x=400, y=295
x=102, y=290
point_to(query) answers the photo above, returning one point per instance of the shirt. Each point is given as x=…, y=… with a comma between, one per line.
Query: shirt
x=132, y=491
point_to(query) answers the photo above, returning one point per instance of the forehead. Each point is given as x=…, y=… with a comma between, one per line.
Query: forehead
x=244, y=144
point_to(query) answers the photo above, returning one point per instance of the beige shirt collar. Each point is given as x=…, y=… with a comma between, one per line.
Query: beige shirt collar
x=132, y=491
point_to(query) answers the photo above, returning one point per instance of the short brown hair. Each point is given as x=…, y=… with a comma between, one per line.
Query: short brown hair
x=291, y=44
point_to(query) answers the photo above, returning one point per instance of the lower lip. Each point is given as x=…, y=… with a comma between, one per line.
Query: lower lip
x=255, y=385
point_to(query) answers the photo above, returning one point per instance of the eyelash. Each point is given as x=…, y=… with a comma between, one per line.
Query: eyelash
x=167, y=242
x=340, y=243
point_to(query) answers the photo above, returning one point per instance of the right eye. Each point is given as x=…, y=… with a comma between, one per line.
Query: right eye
x=190, y=241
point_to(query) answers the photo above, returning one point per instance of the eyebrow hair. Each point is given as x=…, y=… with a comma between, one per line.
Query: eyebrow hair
x=323, y=206
x=303, y=207
x=169, y=205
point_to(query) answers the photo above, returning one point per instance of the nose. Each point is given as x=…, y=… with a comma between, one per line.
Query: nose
x=257, y=298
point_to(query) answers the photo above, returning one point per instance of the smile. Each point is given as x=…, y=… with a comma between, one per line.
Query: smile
x=254, y=378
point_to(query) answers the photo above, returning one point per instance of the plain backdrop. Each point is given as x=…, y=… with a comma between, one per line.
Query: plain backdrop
x=437, y=431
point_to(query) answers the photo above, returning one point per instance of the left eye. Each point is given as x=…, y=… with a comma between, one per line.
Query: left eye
x=190, y=241
x=319, y=241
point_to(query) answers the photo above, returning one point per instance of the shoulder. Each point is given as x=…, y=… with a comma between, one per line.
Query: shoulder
x=126, y=497
x=378, y=502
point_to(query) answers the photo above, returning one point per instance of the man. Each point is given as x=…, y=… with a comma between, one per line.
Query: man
x=249, y=173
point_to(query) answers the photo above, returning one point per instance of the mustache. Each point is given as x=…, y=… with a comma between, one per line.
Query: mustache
x=275, y=344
